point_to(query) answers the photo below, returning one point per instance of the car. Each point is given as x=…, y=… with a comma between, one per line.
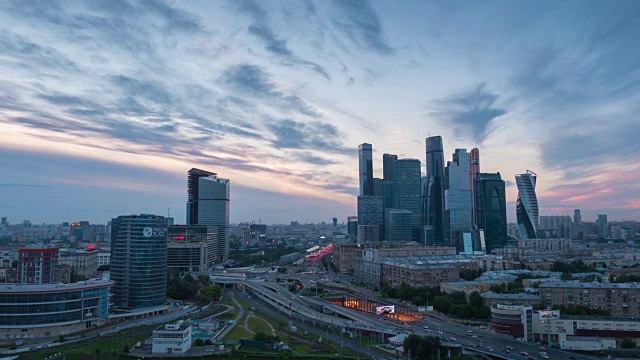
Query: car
x=543, y=353
x=524, y=353
x=544, y=356
x=452, y=339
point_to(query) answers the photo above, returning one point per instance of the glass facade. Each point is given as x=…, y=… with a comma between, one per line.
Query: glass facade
x=407, y=193
x=491, y=209
x=139, y=261
x=365, y=158
x=397, y=224
x=527, y=205
x=371, y=212
x=458, y=203
x=433, y=191
x=50, y=305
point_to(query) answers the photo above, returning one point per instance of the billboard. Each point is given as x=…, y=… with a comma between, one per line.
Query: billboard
x=386, y=309
x=425, y=308
x=549, y=314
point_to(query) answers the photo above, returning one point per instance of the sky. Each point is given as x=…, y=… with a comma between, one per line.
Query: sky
x=105, y=105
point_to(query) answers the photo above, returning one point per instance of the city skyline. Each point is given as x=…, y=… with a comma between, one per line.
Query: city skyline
x=107, y=105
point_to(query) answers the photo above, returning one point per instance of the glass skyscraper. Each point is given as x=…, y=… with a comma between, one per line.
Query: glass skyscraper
x=365, y=157
x=527, y=205
x=407, y=192
x=208, y=204
x=371, y=212
x=397, y=225
x=433, y=191
x=458, y=203
x=139, y=261
x=491, y=209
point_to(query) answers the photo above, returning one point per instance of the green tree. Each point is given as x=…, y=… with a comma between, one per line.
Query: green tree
x=475, y=299
x=422, y=348
x=198, y=342
x=627, y=344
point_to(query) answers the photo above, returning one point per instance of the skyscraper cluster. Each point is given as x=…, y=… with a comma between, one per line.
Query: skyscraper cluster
x=454, y=204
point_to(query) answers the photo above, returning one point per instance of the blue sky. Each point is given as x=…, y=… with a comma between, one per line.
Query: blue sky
x=105, y=105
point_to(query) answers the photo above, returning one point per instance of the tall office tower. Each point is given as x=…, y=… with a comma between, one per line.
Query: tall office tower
x=368, y=234
x=556, y=225
x=208, y=204
x=371, y=212
x=352, y=226
x=407, y=194
x=388, y=171
x=491, y=210
x=603, y=226
x=457, y=196
x=37, y=265
x=527, y=205
x=397, y=225
x=139, y=261
x=377, y=187
x=365, y=155
x=577, y=217
x=473, y=172
x=433, y=201
x=335, y=222
x=191, y=248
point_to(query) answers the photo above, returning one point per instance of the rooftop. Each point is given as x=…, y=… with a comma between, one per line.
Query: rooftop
x=31, y=288
x=521, y=296
x=590, y=285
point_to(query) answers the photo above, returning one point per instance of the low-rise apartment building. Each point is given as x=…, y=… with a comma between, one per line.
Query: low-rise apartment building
x=621, y=299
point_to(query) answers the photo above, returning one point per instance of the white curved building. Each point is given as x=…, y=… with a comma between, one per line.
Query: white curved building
x=527, y=205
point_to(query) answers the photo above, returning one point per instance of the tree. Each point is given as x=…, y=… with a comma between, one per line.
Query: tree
x=627, y=344
x=104, y=267
x=475, y=299
x=422, y=348
x=198, y=342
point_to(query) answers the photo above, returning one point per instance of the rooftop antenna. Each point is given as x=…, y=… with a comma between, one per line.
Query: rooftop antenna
x=168, y=213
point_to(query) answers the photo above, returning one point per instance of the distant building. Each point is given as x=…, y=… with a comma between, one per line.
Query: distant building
x=37, y=265
x=458, y=202
x=492, y=299
x=603, y=226
x=491, y=210
x=84, y=262
x=191, y=248
x=398, y=225
x=365, y=158
x=433, y=190
x=371, y=212
x=527, y=205
x=407, y=192
x=171, y=339
x=619, y=298
x=139, y=261
x=208, y=204
x=514, y=320
x=561, y=223
x=352, y=226
x=368, y=233
x=415, y=275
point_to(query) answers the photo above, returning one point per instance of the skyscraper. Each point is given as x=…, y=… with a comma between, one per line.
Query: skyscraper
x=365, y=156
x=527, y=205
x=458, y=201
x=388, y=171
x=603, y=225
x=577, y=217
x=371, y=212
x=491, y=210
x=398, y=225
x=139, y=261
x=208, y=204
x=407, y=194
x=433, y=192
x=473, y=172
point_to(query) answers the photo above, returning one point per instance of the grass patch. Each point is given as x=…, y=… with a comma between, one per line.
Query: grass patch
x=230, y=315
x=242, y=302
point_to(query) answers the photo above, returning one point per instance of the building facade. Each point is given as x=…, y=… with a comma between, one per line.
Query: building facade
x=620, y=299
x=371, y=212
x=458, y=202
x=527, y=205
x=514, y=320
x=208, y=203
x=28, y=311
x=37, y=265
x=139, y=261
x=172, y=339
x=433, y=191
x=368, y=233
x=407, y=194
x=415, y=275
x=191, y=248
x=365, y=167
x=398, y=225
x=491, y=210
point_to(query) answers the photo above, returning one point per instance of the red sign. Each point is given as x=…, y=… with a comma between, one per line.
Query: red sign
x=91, y=247
x=179, y=237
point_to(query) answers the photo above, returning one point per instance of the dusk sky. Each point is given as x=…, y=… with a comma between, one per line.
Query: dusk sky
x=105, y=105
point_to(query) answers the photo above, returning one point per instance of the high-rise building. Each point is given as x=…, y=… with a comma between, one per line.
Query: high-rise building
x=139, y=261
x=368, y=234
x=208, y=204
x=37, y=265
x=474, y=169
x=457, y=198
x=352, y=226
x=560, y=225
x=335, y=222
x=191, y=248
x=433, y=193
x=491, y=209
x=388, y=170
x=365, y=156
x=577, y=217
x=603, y=226
x=371, y=212
x=398, y=225
x=407, y=193
x=527, y=205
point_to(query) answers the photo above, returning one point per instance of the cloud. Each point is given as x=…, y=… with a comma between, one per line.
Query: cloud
x=357, y=20
x=319, y=136
x=251, y=80
x=470, y=112
x=313, y=159
x=24, y=185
